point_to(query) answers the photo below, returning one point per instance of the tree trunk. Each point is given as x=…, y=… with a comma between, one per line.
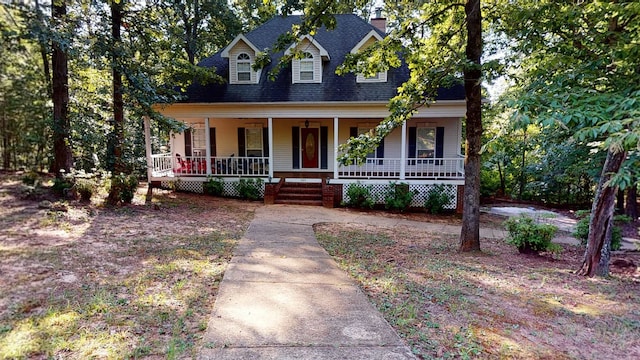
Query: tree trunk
x=62, y=157
x=620, y=202
x=632, y=201
x=522, y=164
x=470, y=233
x=596, y=257
x=6, y=155
x=117, y=137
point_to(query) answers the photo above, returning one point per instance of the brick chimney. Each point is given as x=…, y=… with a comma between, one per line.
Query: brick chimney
x=379, y=22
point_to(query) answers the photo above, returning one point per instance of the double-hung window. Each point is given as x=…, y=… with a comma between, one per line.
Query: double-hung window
x=306, y=67
x=243, y=66
x=253, y=138
x=425, y=142
x=364, y=130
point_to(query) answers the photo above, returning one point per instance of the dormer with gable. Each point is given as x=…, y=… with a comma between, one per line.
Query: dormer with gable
x=371, y=38
x=242, y=55
x=307, y=67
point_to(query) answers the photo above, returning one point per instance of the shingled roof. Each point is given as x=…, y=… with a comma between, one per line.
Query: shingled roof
x=350, y=29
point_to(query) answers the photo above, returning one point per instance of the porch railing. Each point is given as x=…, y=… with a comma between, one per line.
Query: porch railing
x=168, y=165
x=415, y=168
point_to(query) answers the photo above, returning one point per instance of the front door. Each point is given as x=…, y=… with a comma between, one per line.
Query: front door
x=309, y=142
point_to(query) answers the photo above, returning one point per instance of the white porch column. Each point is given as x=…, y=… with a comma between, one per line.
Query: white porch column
x=270, y=134
x=207, y=141
x=403, y=151
x=147, y=147
x=335, y=147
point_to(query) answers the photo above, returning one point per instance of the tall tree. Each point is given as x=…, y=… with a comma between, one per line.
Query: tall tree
x=116, y=139
x=470, y=235
x=60, y=94
x=580, y=70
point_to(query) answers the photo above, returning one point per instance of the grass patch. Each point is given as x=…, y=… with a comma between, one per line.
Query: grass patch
x=498, y=304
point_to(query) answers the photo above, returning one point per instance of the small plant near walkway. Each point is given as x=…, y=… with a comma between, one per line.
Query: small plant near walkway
x=529, y=236
x=436, y=199
x=249, y=188
x=213, y=186
x=398, y=197
x=360, y=196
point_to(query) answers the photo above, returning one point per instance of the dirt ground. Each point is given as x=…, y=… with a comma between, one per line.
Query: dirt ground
x=143, y=277
x=81, y=280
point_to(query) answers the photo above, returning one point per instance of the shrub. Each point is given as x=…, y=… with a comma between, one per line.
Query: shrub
x=61, y=186
x=360, y=196
x=213, y=186
x=582, y=229
x=249, y=188
x=436, y=199
x=123, y=188
x=530, y=237
x=30, y=178
x=398, y=197
x=85, y=187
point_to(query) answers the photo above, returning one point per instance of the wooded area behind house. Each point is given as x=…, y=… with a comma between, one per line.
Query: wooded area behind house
x=76, y=79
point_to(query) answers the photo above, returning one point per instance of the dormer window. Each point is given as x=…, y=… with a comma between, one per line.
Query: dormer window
x=308, y=60
x=369, y=39
x=306, y=67
x=243, y=66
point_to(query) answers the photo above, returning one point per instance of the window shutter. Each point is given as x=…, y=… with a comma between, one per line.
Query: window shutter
x=241, y=143
x=295, y=145
x=353, y=131
x=439, y=143
x=324, y=149
x=187, y=143
x=265, y=142
x=380, y=151
x=412, y=144
x=212, y=141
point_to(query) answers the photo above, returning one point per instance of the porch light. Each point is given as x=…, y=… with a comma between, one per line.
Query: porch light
x=306, y=123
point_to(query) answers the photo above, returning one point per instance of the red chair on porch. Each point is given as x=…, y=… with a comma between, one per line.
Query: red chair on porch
x=182, y=166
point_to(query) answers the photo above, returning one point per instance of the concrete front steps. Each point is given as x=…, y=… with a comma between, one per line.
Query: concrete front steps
x=300, y=193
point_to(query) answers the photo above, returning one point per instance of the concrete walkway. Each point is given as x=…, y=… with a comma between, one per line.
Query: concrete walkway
x=283, y=296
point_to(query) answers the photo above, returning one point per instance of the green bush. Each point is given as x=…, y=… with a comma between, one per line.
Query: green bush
x=530, y=237
x=249, y=188
x=582, y=229
x=213, y=186
x=30, y=178
x=123, y=188
x=61, y=186
x=398, y=197
x=85, y=187
x=436, y=199
x=360, y=196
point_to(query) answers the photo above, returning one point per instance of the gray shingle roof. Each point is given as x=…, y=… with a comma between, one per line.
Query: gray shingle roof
x=349, y=31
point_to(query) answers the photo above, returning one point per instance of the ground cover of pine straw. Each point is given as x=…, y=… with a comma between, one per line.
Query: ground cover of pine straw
x=497, y=304
x=81, y=280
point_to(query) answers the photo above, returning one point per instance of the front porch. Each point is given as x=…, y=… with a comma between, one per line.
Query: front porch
x=300, y=142
x=169, y=166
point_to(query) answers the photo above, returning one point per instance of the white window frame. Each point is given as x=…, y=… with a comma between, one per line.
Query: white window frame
x=421, y=146
x=254, y=143
x=370, y=156
x=309, y=61
x=245, y=63
x=198, y=140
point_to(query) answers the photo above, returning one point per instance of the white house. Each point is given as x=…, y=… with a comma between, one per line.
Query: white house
x=287, y=131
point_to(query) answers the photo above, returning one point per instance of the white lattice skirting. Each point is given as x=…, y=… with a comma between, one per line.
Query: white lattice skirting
x=229, y=187
x=378, y=192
